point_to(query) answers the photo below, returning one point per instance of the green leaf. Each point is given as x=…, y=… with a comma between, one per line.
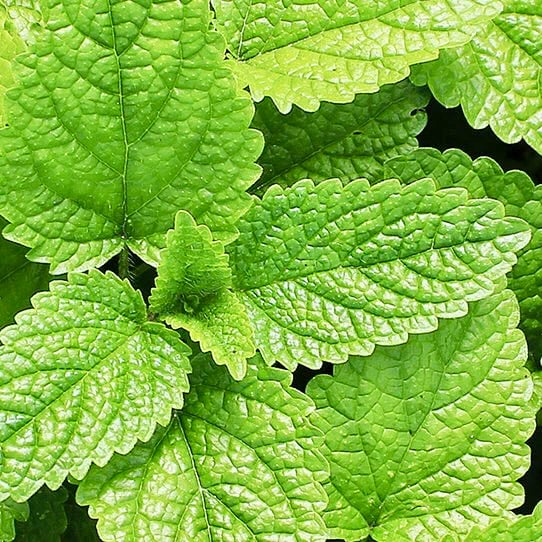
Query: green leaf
x=428, y=438
x=82, y=375
x=484, y=177
x=125, y=113
x=346, y=141
x=47, y=520
x=19, y=279
x=81, y=527
x=192, y=293
x=328, y=271
x=9, y=512
x=240, y=462
x=496, y=77
x=302, y=53
x=519, y=529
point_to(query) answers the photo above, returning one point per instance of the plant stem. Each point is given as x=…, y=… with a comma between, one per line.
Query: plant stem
x=124, y=264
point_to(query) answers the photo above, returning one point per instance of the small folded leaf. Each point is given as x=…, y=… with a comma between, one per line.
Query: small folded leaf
x=521, y=198
x=497, y=76
x=192, y=293
x=9, y=512
x=427, y=439
x=19, y=279
x=82, y=375
x=302, y=53
x=123, y=114
x=326, y=271
x=517, y=529
x=239, y=462
x=47, y=519
x=346, y=141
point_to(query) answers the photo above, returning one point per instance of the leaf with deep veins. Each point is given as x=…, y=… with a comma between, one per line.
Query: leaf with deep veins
x=240, y=462
x=521, y=198
x=497, y=77
x=304, y=52
x=427, y=439
x=193, y=292
x=124, y=114
x=82, y=375
x=346, y=141
x=330, y=270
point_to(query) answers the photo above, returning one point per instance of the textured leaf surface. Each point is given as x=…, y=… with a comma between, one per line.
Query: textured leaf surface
x=125, y=113
x=19, y=279
x=192, y=292
x=427, y=439
x=240, y=462
x=519, y=529
x=521, y=198
x=9, y=512
x=497, y=77
x=328, y=271
x=302, y=52
x=82, y=375
x=347, y=141
x=47, y=519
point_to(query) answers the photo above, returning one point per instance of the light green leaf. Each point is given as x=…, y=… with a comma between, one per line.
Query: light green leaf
x=9, y=512
x=484, y=177
x=519, y=529
x=497, y=77
x=304, y=52
x=427, y=439
x=328, y=271
x=239, y=463
x=192, y=293
x=347, y=141
x=19, y=279
x=82, y=375
x=125, y=113
x=47, y=520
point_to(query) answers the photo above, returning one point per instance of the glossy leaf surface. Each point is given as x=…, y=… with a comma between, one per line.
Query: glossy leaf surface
x=239, y=462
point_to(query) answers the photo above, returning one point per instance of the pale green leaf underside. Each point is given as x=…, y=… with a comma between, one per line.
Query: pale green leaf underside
x=521, y=198
x=124, y=114
x=305, y=52
x=192, y=292
x=347, y=141
x=427, y=439
x=517, y=529
x=239, y=463
x=82, y=375
x=47, y=519
x=9, y=512
x=19, y=279
x=329, y=271
x=497, y=77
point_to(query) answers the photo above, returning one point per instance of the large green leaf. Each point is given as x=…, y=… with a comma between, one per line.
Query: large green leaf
x=326, y=270
x=520, y=197
x=82, y=375
x=428, y=438
x=19, y=279
x=193, y=292
x=239, y=463
x=497, y=77
x=347, y=141
x=302, y=52
x=124, y=114
x=9, y=512
x=47, y=519
x=518, y=529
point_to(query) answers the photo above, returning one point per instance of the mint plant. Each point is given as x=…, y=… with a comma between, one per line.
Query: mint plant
x=202, y=203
